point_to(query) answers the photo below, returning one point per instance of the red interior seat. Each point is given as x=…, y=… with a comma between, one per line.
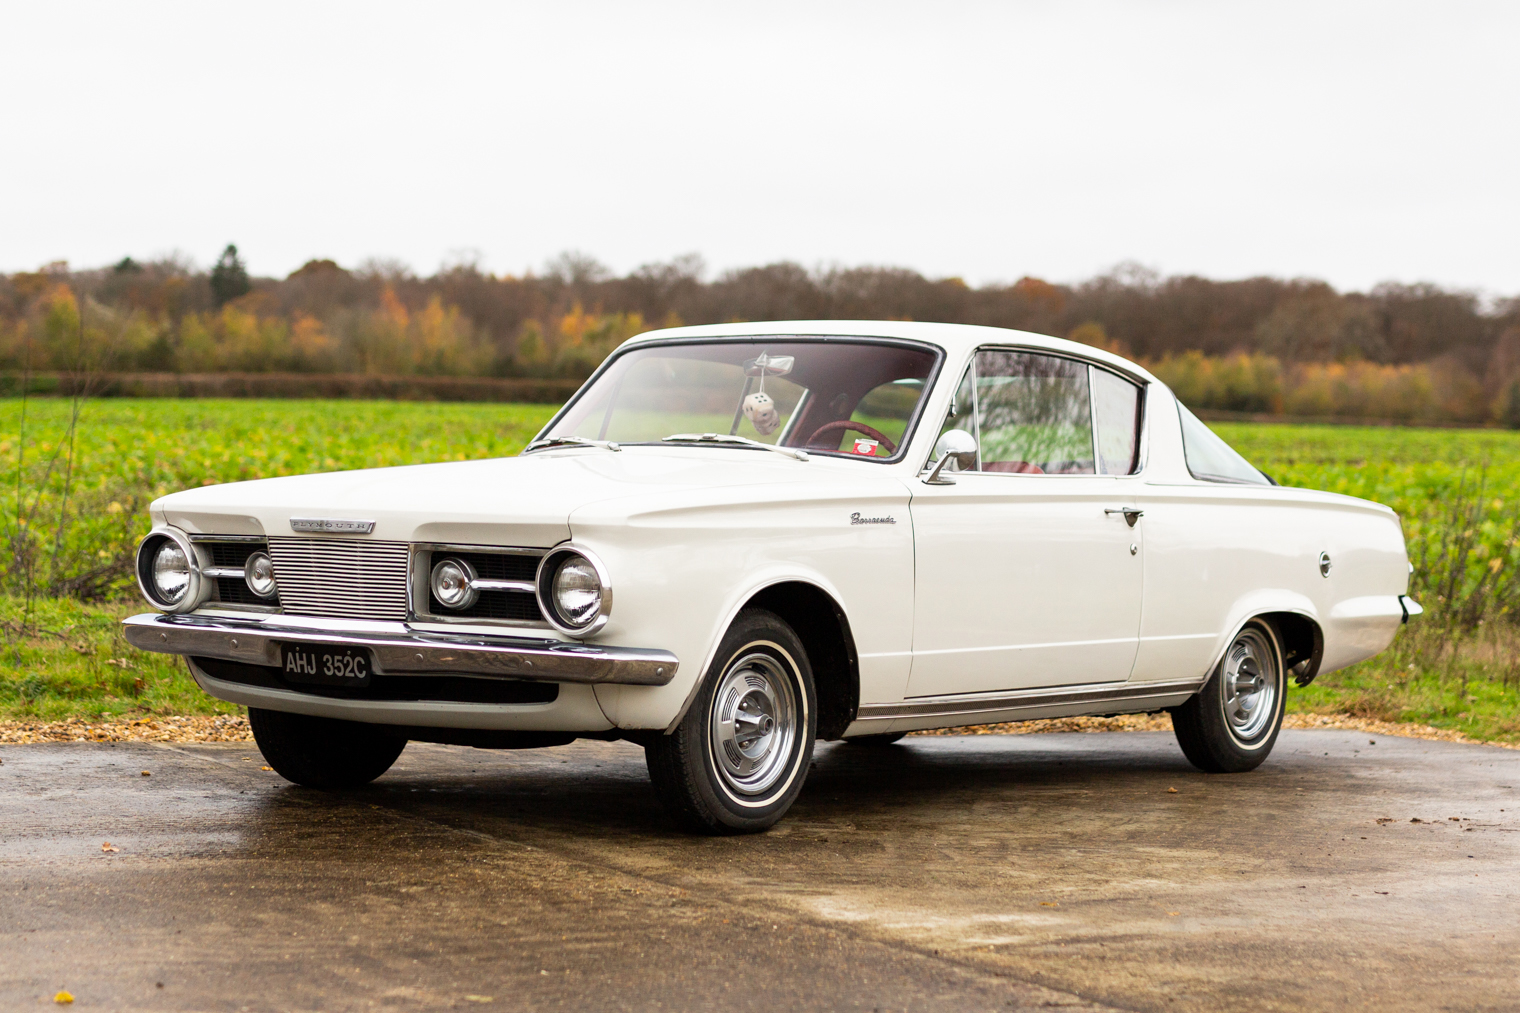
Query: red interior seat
x=1015, y=467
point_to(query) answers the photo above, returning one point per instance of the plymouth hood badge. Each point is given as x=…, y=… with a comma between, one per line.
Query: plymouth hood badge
x=330, y=526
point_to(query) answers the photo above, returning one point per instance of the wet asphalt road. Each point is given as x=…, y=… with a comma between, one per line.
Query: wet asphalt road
x=978, y=873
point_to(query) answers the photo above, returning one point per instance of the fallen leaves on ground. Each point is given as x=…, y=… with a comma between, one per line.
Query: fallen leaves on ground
x=173, y=728
x=234, y=728
x=1163, y=723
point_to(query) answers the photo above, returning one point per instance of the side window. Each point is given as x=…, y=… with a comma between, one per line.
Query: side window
x=1116, y=410
x=1034, y=413
x=1210, y=458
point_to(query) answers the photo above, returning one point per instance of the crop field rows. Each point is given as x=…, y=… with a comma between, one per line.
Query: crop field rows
x=76, y=497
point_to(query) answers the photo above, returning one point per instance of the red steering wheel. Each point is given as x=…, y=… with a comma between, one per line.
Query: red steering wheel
x=859, y=427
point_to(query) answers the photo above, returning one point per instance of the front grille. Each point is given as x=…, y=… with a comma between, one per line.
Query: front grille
x=235, y=590
x=513, y=606
x=341, y=578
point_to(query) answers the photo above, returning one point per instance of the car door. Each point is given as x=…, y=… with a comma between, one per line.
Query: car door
x=1027, y=569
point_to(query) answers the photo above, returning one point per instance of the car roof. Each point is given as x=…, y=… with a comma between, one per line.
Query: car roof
x=958, y=340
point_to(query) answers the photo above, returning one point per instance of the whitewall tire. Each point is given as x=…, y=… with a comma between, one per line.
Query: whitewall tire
x=1232, y=723
x=737, y=760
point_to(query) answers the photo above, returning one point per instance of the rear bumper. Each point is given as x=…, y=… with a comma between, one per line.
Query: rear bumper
x=404, y=651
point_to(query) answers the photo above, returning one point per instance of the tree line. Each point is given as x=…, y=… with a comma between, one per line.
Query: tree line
x=1416, y=352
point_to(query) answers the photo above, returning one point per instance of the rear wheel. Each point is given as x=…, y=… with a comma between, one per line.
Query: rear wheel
x=1232, y=723
x=323, y=752
x=736, y=762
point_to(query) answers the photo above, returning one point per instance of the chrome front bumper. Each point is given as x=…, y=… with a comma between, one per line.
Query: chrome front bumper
x=405, y=651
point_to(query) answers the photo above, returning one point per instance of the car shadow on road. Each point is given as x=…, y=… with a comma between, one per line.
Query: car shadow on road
x=603, y=789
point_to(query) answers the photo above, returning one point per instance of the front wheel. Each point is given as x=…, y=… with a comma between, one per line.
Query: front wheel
x=1231, y=724
x=736, y=762
x=323, y=752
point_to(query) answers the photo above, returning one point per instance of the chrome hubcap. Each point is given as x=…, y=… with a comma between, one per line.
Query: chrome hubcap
x=754, y=723
x=1251, y=684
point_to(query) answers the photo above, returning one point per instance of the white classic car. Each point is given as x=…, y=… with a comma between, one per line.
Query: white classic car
x=821, y=529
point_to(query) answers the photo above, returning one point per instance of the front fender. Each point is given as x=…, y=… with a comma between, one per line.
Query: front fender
x=681, y=580
x=637, y=710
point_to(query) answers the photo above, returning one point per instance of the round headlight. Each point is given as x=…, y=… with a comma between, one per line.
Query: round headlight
x=453, y=584
x=171, y=572
x=577, y=592
x=168, y=572
x=573, y=591
x=258, y=573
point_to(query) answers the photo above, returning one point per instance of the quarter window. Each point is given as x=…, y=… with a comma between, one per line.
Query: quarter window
x=1116, y=410
x=1210, y=458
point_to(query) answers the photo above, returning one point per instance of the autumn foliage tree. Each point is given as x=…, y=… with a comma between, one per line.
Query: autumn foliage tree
x=1417, y=352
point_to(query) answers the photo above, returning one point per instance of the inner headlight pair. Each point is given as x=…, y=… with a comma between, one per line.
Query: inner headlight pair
x=571, y=585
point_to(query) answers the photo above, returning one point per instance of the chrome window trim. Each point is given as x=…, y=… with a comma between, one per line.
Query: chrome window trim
x=420, y=575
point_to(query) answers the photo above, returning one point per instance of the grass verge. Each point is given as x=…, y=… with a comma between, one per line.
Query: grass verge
x=75, y=677
x=74, y=663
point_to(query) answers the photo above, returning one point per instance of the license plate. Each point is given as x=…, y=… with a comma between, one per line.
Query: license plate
x=325, y=666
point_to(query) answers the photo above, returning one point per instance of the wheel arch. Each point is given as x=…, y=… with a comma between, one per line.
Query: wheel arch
x=1303, y=643
x=1298, y=632
x=820, y=622
x=824, y=629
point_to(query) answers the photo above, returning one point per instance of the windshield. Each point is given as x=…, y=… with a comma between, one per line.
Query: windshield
x=844, y=396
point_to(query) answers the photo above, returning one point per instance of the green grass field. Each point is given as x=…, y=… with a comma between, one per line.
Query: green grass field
x=1457, y=490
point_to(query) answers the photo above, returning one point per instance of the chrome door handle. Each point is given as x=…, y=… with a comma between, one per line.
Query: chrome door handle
x=1131, y=515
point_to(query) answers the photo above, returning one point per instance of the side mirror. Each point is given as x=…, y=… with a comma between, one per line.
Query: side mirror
x=955, y=445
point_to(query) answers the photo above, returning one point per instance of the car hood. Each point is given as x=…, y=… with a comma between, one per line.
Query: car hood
x=503, y=501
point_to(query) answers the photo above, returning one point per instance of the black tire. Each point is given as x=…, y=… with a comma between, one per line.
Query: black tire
x=884, y=739
x=324, y=752
x=757, y=705
x=1228, y=726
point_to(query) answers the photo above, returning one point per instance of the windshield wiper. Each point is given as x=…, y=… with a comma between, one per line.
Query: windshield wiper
x=569, y=441
x=742, y=441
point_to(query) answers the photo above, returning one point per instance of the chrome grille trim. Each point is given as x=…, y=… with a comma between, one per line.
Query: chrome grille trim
x=423, y=554
x=341, y=578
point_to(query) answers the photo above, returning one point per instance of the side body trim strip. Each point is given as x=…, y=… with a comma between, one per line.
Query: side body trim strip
x=969, y=704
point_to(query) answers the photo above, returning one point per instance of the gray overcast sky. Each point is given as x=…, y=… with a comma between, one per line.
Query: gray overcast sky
x=1355, y=142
